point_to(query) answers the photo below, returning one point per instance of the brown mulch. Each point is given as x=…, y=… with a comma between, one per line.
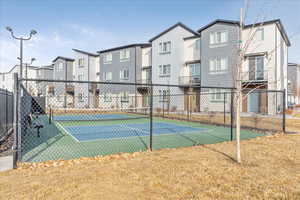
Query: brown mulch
x=270, y=170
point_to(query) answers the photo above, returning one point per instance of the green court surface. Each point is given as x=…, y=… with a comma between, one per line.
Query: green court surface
x=55, y=142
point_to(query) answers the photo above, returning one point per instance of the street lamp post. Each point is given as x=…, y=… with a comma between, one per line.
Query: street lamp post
x=21, y=39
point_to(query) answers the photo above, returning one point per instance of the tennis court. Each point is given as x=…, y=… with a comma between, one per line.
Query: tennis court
x=71, y=136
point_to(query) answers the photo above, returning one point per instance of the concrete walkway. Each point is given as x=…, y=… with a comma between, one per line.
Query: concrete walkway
x=6, y=163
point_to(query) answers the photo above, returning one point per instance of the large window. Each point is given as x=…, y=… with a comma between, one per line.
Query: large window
x=124, y=55
x=194, y=69
x=124, y=97
x=81, y=62
x=124, y=74
x=165, y=47
x=217, y=95
x=218, y=65
x=59, y=67
x=218, y=37
x=107, y=97
x=107, y=76
x=107, y=58
x=259, y=34
x=80, y=77
x=256, y=68
x=164, y=70
x=164, y=95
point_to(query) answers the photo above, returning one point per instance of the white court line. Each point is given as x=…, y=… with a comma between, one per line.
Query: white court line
x=66, y=131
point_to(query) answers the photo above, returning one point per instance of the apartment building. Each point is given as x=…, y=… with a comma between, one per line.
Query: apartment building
x=120, y=64
x=293, y=89
x=45, y=73
x=7, y=78
x=86, y=68
x=61, y=94
x=168, y=61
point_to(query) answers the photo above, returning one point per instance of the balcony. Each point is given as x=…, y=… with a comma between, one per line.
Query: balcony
x=70, y=88
x=255, y=76
x=190, y=80
x=143, y=88
x=93, y=88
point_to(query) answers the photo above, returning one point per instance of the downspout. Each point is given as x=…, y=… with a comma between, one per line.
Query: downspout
x=275, y=68
x=88, y=80
x=135, y=77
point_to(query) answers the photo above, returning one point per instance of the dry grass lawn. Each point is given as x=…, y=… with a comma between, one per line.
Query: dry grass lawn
x=270, y=170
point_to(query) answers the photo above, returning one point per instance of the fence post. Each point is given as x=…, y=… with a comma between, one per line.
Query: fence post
x=284, y=111
x=16, y=121
x=231, y=115
x=6, y=111
x=151, y=117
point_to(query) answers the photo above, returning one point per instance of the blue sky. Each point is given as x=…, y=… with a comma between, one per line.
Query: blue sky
x=93, y=25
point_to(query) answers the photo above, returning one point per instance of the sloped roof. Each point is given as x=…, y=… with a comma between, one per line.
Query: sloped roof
x=85, y=52
x=124, y=47
x=64, y=58
x=218, y=21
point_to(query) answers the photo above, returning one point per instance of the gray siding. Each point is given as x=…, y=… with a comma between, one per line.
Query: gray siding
x=133, y=65
x=228, y=50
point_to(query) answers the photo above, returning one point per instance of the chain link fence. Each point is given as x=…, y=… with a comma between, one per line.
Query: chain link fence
x=6, y=120
x=73, y=119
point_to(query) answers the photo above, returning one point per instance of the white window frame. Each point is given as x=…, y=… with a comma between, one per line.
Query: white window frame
x=60, y=67
x=80, y=77
x=81, y=62
x=217, y=95
x=164, y=96
x=107, y=97
x=124, y=55
x=124, y=74
x=165, y=47
x=218, y=65
x=107, y=76
x=260, y=34
x=192, y=67
x=124, y=97
x=218, y=37
x=107, y=58
x=164, y=70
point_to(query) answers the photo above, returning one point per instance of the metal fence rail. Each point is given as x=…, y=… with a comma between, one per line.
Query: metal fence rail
x=97, y=118
x=6, y=119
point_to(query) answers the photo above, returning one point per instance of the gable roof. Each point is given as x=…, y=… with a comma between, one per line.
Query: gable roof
x=218, y=21
x=63, y=58
x=85, y=52
x=172, y=27
x=124, y=47
x=279, y=26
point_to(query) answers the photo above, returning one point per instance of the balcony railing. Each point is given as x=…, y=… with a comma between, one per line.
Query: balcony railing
x=144, y=81
x=189, y=80
x=255, y=76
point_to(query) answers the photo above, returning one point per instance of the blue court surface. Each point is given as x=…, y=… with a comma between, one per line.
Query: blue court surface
x=89, y=117
x=90, y=133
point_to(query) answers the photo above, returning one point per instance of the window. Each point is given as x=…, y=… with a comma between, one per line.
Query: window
x=107, y=76
x=164, y=70
x=80, y=77
x=107, y=97
x=124, y=74
x=164, y=95
x=60, y=67
x=124, y=97
x=194, y=69
x=259, y=34
x=107, y=58
x=256, y=68
x=80, y=97
x=165, y=47
x=218, y=65
x=124, y=54
x=218, y=37
x=217, y=95
x=81, y=62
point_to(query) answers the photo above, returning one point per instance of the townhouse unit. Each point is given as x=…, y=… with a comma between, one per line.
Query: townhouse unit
x=293, y=88
x=169, y=61
x=61, y=94
x=121, y=64
x=86, y=68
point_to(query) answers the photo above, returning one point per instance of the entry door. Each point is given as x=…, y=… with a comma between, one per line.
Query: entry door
x=253, y=102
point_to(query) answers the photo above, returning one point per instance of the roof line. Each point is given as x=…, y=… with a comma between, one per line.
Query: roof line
x=218, y=21
x=124, y=47
x=85, y=52
x=172, y=27
x=64, y=58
